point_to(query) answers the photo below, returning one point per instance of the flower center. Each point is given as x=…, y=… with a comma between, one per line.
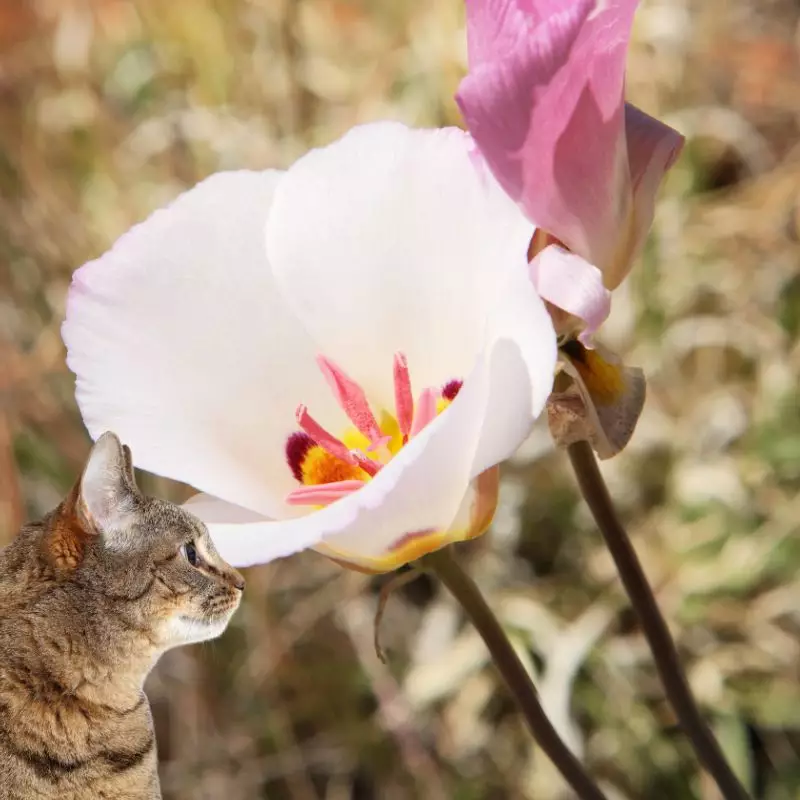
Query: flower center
x=329, y=468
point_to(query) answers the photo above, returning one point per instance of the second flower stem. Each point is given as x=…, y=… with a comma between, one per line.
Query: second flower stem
x=463, y=588
x=653, y=625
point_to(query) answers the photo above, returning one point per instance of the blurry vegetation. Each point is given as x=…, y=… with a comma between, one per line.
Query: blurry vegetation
x=111, y=107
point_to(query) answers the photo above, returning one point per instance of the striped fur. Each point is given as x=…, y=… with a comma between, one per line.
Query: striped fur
x=89, y=599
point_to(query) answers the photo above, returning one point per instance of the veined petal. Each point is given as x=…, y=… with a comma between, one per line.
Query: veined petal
x=522, y=355
x=546, y=111
x=495, y=27
x=394, y=240
x=182, y=345
x=570, y=283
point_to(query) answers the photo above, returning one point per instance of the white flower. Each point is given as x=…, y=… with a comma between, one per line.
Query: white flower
x=387, y=344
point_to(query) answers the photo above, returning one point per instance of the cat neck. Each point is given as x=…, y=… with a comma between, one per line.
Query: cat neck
x=59, y=648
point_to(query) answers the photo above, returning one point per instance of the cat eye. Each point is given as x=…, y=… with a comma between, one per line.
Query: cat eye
x=190, y=553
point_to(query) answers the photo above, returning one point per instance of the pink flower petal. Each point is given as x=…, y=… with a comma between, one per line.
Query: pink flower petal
x=425, y=411
x=546, y=111
x=652, y=149
x=572, y=284
x=544, y=102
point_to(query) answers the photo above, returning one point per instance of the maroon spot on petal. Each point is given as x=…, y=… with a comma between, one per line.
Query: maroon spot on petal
x=297, y=447
x=451, y=389
x=406, y=538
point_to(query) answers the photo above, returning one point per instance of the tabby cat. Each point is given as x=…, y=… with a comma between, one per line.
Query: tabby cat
x=90, y=597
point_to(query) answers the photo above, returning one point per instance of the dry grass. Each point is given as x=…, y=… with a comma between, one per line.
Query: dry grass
x=110, y=107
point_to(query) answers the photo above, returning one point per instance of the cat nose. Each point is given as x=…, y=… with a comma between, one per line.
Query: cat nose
x=237, y=580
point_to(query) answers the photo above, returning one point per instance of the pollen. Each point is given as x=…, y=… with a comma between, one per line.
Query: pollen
x=319, y=466
x=330, y=467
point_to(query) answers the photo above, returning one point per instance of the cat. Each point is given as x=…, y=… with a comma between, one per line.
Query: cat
x=90, y=597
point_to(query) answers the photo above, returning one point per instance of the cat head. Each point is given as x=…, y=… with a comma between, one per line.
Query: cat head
x=146, y=562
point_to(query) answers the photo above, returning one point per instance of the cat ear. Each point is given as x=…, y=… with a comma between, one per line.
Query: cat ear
x=107, y=493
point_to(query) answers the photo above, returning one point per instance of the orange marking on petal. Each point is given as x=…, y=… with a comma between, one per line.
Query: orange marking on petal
x=487, y=490
x=407, y=538
x=604, y=380
x=408, y=548
x=416, y=545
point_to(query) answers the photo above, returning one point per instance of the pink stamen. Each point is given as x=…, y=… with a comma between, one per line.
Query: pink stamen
x=367, y=464
x=323, y=493
x=324, y=439
x=351, y=398
x=403, y=398
x=383, y=442
x=425, y=411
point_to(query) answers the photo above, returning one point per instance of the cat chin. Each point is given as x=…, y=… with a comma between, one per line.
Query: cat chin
x=182, y=630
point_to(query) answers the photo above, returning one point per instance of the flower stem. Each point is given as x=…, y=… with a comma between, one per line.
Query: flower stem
x=463, y=588
x=653, y=625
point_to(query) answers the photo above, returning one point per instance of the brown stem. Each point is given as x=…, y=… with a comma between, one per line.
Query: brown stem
x=653, y=625
x=463, y=588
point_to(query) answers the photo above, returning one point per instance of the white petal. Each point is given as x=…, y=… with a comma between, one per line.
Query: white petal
x=236, y=530
x=573, y=284
x=182, y=345
x=423, y=488
x=395, y=240
x=522, y=355
x=211, y=509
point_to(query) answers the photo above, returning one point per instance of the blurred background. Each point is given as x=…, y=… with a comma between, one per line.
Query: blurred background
x=109, y=108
